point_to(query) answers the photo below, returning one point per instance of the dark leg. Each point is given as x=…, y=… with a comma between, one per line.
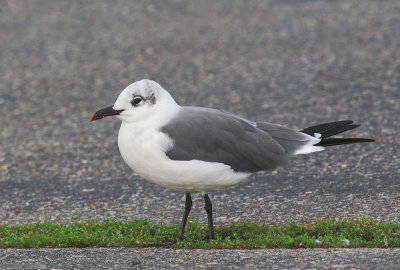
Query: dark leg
x=188, y=207
x=208, y=207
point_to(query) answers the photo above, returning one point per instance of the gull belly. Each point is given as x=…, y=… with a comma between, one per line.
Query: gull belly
x=143, y=149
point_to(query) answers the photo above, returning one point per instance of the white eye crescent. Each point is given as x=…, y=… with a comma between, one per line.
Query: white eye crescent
x=136, y=101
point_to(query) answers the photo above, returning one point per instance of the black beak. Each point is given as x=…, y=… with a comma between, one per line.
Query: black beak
x=108, y=111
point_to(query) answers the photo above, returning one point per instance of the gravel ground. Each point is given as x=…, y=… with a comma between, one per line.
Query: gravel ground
x=121, y=258
x=296, y=63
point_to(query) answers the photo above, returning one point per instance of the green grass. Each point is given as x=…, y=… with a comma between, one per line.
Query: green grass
x=319, y=233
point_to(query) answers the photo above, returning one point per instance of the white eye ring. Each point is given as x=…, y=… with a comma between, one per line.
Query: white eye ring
x=136, y=101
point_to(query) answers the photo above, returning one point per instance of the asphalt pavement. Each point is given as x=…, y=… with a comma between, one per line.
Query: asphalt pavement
x=297, y=63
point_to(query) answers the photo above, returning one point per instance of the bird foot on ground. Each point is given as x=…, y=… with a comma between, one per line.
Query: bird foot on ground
x=208, y=239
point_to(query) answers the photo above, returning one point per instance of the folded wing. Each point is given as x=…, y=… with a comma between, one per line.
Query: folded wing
x=215, y=136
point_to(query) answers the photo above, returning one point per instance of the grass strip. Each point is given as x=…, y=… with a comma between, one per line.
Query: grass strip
x=329, y=233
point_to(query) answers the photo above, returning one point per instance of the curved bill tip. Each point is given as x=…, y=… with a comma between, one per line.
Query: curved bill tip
x=108, y=111
x=91, y=119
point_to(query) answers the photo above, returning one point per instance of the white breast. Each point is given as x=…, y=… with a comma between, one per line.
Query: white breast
x=143, y=149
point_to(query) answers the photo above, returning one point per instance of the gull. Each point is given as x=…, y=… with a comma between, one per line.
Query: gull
x=201, y=150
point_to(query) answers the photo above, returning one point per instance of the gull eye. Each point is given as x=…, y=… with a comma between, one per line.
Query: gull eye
x=136, y=101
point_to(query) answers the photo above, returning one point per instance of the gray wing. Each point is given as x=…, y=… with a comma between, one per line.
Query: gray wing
x=216, y=136
x=290, y=139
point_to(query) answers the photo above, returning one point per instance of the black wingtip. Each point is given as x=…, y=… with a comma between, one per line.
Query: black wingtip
x=330, y=129
x=339, y=141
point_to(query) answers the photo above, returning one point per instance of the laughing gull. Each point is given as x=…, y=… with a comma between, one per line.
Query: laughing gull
x=192, y=149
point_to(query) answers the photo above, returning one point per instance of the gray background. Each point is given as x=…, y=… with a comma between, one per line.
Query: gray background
x=297, y=63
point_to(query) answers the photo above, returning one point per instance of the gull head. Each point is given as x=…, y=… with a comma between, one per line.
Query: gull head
x=139, y=101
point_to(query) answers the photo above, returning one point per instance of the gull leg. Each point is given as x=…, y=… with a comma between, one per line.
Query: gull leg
x=180, y=235
x=208, y=207
x=188, y=207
